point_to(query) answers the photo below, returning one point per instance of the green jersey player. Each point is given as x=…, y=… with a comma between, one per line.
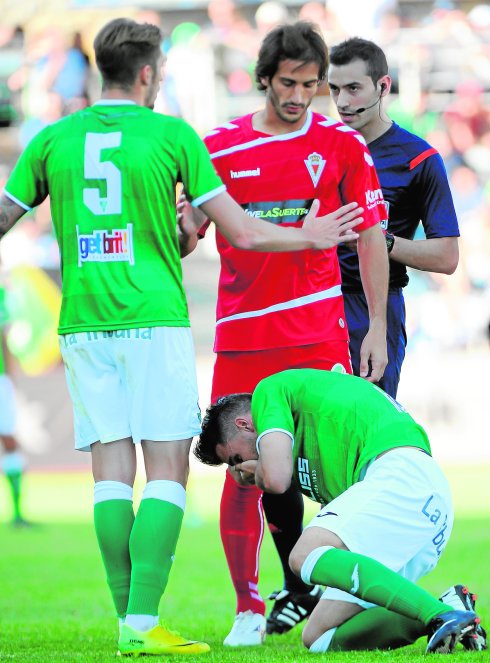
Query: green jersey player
x=111, y=172
x=387, y=512
x=13, y=461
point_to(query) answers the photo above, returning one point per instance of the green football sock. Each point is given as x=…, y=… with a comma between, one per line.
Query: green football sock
x=373, y=582
x=114, y=520
x=152, y=546
x=15, y=481
x=13, y=466
x=376, y=628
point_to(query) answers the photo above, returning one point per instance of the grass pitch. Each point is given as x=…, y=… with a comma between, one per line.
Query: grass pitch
x=55, y=606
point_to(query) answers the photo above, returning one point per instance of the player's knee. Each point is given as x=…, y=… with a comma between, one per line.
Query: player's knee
x=296, y=560
x=310, y=634
x=299, y=554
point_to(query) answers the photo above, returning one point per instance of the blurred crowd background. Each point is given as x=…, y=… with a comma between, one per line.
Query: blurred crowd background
x=439, y=58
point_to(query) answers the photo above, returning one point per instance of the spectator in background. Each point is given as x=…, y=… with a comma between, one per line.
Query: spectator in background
x=269, y=15
x=360, y=17
x=319, y=14
x=233, y=43
x=190, y=77
x=468, y=105
x=52, y=79
x=467, y=191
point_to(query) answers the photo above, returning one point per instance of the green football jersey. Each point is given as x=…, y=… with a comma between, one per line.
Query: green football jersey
x=111, y=172
x=338, y=423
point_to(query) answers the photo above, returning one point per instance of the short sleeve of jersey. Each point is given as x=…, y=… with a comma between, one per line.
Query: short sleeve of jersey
x=361, y=182
x=27, y=185
x=272, y=405
x=434, y=199
x=196, y=170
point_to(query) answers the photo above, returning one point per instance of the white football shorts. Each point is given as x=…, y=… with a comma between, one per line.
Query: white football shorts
x=136, y=383
x=400, y=514
x=7, y=406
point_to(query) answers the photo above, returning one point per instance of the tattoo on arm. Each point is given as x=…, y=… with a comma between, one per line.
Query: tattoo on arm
x=10, y=213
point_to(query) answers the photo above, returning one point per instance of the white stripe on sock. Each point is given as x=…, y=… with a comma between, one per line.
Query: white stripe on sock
x=321, y=645
x=167, y=491
x=112, y=490
x=310, y=561
x=141, y=622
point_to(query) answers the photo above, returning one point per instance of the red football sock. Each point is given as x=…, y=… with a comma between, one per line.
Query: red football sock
x=242, y=530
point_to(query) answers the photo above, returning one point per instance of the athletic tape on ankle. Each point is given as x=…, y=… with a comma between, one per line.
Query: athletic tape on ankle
x=167, y=491
x=112, y=490
x=323, y=643
x=310, y=561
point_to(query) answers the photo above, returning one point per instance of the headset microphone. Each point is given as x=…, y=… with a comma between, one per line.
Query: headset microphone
x=361, y=110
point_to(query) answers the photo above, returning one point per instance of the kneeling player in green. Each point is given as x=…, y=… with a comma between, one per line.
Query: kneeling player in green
x=388, y=513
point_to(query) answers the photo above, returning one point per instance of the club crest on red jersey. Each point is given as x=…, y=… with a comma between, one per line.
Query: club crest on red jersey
x=315, y=164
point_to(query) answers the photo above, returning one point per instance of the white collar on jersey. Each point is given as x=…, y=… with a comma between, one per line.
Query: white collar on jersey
x=265, y=139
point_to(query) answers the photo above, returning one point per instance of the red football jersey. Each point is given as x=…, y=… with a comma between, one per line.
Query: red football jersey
x=274, y=300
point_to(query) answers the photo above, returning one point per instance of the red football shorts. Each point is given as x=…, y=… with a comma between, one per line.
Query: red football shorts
x=236, y=372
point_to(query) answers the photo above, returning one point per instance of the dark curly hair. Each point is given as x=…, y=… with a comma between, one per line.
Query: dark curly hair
x=219, y=425
x=301, y=41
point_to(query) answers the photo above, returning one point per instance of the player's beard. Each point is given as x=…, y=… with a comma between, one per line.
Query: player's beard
x=151, y=97
x=280, y=108
x=152, y=91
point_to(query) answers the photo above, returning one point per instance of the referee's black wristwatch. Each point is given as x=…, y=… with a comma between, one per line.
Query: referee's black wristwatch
x=390, y=241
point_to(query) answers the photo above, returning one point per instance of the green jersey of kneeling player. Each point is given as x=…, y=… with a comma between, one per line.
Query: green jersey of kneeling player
x=387, y=512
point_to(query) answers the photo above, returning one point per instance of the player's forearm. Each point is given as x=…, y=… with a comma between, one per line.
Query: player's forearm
x=244, y=232
x=374, y=270
x=317, y=232
x=258, y=235
x=189, y=220
x=440, y=254
x=10, y=213
x=269, y=237
x=271, y=481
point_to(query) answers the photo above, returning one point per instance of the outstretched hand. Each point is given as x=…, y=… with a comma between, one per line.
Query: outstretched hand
x=189, y=219
x=332, y=229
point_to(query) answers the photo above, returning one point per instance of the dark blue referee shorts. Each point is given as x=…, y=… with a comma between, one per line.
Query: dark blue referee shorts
x=356, y=312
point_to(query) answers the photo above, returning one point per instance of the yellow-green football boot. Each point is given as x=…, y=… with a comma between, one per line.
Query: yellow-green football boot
x=158, y=640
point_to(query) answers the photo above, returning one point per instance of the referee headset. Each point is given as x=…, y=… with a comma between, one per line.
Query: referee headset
x=378, y=101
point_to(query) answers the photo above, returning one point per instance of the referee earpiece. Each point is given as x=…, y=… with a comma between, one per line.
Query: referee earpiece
x=382, y=87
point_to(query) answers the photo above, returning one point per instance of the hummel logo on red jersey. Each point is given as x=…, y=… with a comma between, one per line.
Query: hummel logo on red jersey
x=235, y=174
x=315, y=164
